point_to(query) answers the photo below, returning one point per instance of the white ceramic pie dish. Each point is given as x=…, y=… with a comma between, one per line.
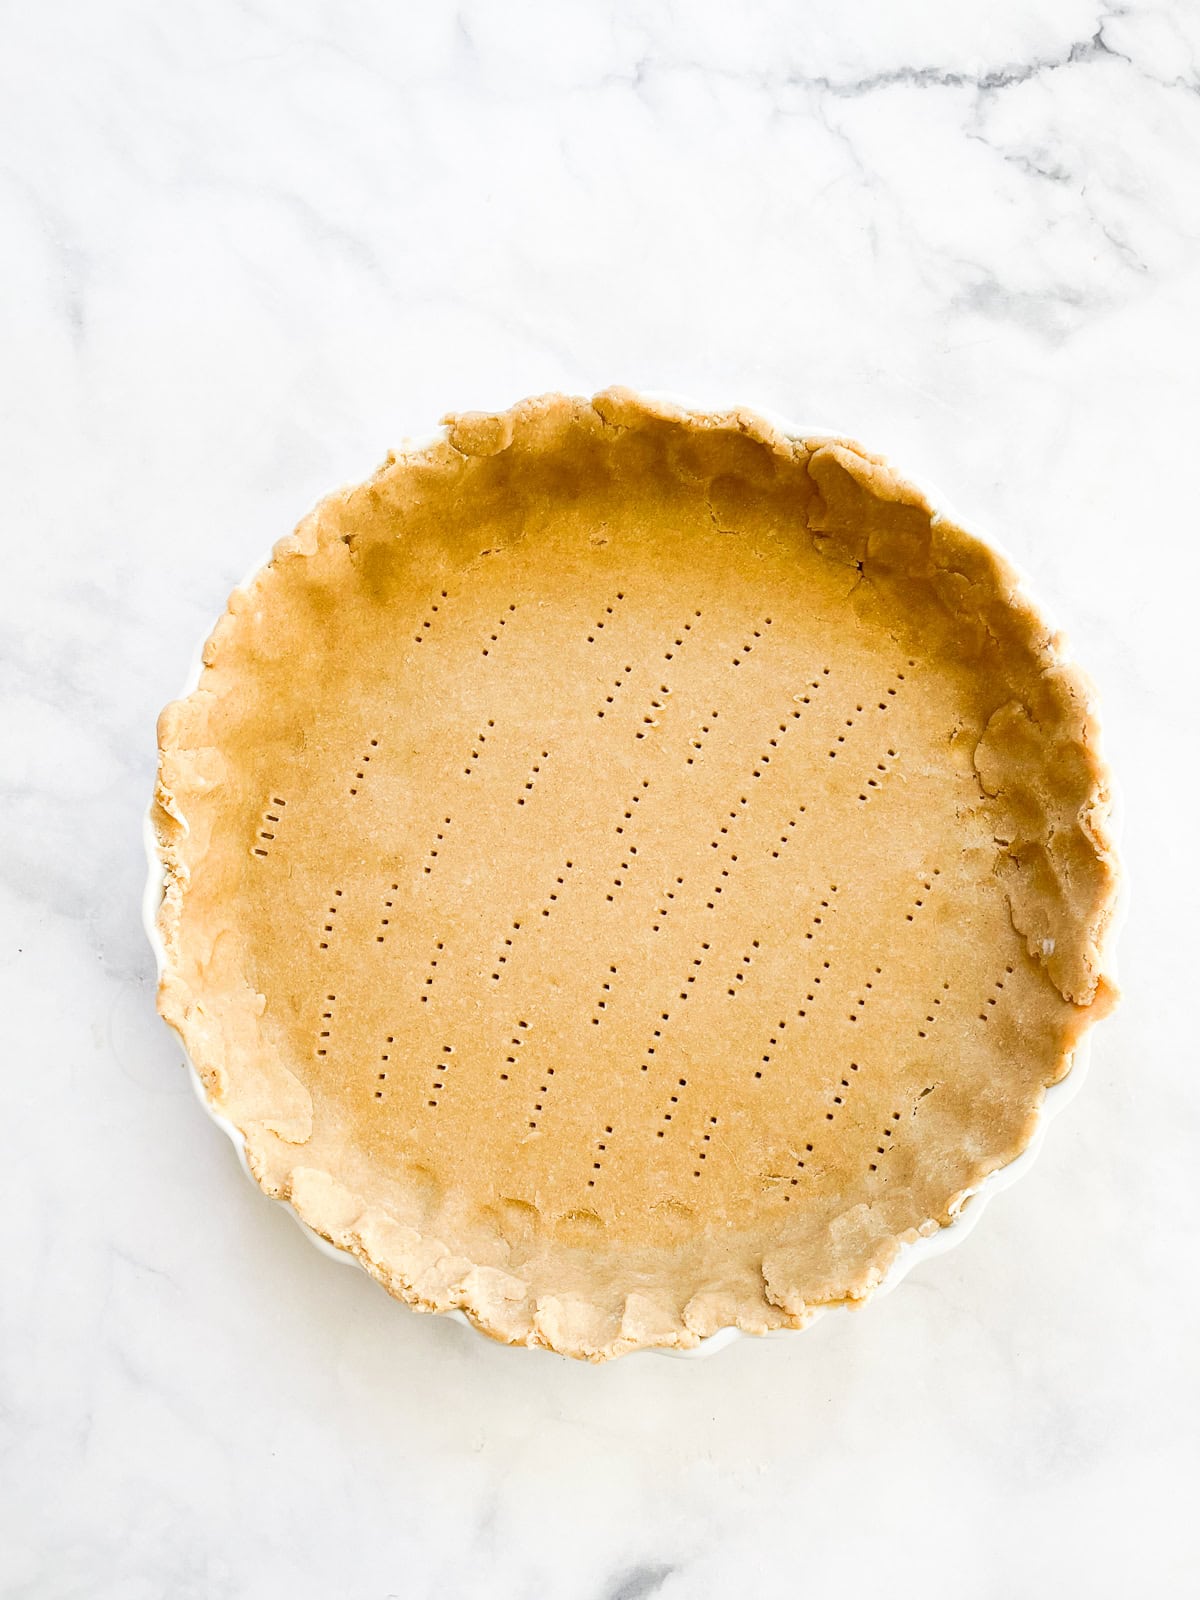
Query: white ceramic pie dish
x=970, y=1205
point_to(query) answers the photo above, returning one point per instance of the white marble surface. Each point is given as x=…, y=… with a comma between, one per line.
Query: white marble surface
x=246, y=248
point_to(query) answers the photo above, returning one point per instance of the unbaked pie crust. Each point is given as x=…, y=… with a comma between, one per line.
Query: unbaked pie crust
x=630, y=871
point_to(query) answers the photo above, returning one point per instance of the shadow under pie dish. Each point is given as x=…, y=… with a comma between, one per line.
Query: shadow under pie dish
x=629, y=871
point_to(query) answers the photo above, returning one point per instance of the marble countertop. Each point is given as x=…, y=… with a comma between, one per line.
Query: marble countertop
x=250, y=246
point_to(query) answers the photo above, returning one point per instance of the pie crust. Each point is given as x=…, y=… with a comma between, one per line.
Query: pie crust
x=630, y=871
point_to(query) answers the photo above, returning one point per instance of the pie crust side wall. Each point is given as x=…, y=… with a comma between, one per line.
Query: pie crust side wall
x=1037, y=763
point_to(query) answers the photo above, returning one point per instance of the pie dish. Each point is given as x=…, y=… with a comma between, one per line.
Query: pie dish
x=628, y=872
